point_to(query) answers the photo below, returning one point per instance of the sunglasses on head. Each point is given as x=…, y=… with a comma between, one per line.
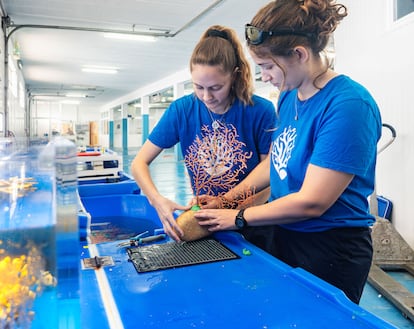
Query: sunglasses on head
x=256, y=36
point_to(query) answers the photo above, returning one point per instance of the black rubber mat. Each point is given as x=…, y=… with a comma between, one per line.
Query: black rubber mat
x=174, y=254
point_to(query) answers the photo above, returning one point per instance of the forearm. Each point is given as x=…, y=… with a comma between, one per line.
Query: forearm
x=141, y=173
x=288, y=209
x=255, y=183
x=320, y=190
x=255, y=199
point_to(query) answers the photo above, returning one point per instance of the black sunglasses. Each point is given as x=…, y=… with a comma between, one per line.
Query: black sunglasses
x=256, y=36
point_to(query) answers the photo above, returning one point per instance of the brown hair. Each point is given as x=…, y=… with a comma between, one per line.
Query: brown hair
x=220, y=46
x=316, y=17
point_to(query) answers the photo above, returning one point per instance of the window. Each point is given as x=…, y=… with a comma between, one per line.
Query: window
x=402, y=8
x=21, y=95
x=12, y=78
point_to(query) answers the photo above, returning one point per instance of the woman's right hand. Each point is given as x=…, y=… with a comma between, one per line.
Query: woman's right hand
x=165, y=209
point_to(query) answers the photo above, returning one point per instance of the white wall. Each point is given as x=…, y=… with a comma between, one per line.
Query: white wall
x=379, y=54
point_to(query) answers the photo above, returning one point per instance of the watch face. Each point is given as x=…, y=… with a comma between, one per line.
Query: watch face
x=239, y=222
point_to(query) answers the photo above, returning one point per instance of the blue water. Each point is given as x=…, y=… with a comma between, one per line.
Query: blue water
x=113, y=228
x=29, y=235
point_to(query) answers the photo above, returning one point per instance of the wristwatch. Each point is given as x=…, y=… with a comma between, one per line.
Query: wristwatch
x=240, y=222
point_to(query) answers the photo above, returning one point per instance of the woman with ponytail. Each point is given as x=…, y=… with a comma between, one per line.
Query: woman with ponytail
x=223, y=129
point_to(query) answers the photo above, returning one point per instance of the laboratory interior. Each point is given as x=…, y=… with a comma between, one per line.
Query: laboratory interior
x=83, y=245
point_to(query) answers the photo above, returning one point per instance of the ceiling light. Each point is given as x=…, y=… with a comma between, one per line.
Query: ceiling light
x=100, y=69
x=136, y=37
x=75, y=95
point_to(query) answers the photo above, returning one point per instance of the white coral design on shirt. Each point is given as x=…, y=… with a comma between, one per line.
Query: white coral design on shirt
x=282, y=148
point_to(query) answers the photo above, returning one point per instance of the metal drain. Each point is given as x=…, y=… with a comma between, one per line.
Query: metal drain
x=97, y=262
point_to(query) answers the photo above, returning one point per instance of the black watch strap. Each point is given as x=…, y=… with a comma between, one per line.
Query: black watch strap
x=240, y=221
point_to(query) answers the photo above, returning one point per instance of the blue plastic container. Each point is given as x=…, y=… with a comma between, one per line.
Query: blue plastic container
x=384, y=207
x=127, y=186
x=254, y=291
x=128, y=214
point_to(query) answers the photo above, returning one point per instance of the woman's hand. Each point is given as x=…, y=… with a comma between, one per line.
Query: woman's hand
x=217, y=219
x=165, y=209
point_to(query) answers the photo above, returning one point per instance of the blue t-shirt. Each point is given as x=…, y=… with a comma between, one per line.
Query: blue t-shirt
x=217, y=158
x=337, y=128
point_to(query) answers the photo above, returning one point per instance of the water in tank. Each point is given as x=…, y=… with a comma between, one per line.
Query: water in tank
x=31, y=199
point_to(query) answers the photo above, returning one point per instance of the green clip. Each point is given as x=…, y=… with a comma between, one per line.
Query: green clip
x=246, y=252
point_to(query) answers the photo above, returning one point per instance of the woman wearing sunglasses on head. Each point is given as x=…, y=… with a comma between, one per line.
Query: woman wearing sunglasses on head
x=322, y=159
x=224, y=130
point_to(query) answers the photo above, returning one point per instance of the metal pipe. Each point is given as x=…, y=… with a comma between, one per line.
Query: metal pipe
x=87, y=29
x=5, y=21
x=16, y=27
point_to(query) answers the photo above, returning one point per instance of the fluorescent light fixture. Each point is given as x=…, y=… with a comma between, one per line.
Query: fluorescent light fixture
x=100, y=69
x=134, y=37
x=75, y=95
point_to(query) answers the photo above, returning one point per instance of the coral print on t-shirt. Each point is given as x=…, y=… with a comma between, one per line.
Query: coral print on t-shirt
x=216, y=158
x=282, y=148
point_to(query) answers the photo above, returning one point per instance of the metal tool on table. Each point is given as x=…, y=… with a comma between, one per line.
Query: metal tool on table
x=143, y=238
x=97, y=262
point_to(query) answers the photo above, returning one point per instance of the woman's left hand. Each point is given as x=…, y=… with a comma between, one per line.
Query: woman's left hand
x=217, y=219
